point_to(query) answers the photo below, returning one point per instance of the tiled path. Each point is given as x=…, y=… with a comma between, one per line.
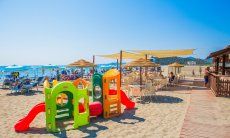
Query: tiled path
x=201, y=120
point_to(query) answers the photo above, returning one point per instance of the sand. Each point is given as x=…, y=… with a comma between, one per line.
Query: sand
x=162, y=118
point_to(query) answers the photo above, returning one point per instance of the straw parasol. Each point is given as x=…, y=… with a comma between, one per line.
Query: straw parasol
x=82, y=64
x=141, y=63
x=176, y=65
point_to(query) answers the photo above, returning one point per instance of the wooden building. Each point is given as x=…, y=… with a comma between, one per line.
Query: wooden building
x=219, y=77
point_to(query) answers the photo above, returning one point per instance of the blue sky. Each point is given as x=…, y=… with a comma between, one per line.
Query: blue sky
x=60, y=32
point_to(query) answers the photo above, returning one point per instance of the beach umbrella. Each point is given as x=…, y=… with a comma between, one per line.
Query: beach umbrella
x=141, y=63
x=49, y=67
x=14, y=68
x=81, y=64
x=176, y=65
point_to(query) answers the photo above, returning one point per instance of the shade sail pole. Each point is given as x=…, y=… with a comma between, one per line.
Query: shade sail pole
x=120, y=66
x=146, y=68
x=93, y=63
x=140, y=78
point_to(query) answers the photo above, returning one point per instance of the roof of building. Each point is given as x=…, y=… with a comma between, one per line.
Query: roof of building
x=221, y=52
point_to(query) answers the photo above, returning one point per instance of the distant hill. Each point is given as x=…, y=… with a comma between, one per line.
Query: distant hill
x=181, y=60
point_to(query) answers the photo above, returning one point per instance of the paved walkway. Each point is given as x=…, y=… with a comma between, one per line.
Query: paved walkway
x=201, y=120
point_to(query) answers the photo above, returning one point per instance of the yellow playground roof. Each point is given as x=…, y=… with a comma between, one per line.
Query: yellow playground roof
x=111, y=73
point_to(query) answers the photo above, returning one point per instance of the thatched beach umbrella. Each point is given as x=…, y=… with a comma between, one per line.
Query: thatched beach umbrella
x=176, y=66
x=141, y=63
x=81, y=64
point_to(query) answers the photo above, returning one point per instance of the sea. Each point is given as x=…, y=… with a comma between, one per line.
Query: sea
x=45, y=70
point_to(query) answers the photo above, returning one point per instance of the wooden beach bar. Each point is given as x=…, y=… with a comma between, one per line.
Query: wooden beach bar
x=219, y=77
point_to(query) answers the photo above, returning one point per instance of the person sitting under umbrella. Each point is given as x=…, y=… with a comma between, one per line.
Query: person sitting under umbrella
x=171, y=77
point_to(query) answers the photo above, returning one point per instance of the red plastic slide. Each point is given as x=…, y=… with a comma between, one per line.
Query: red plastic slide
x=24, y=124
x=95, y=108
x=125, y=101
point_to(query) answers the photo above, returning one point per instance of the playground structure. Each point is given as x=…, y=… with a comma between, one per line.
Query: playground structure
x=68, y=107
x=111, y=94
x=69, y=101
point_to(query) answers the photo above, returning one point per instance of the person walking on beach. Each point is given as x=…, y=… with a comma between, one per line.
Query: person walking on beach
x=193, y=73
x=206, y=71
x=200, y=70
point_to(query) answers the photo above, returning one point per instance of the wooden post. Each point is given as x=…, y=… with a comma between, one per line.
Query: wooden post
x=217, y=86
x=120, y=65
x=223, y=64
x=93, y=63
x=217, y=65
x=146, y=68
x=82, y=72
x=140, y=78
x=117, y=63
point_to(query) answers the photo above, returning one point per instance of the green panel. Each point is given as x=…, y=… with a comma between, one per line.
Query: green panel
x=82, y=118
x=52, y=107
x=97, y=86
x=69, y=105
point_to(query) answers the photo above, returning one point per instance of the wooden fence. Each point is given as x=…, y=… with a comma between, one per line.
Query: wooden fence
x=220, y=85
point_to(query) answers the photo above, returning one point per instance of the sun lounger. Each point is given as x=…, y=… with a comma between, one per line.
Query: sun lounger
x=27, y=85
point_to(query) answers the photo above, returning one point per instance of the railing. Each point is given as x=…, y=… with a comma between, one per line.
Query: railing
x=219, y=84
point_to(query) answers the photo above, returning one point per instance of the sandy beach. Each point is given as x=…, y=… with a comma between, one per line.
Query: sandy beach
x=163, y=118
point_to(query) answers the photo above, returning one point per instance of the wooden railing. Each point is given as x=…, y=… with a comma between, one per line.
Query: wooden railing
x=219, y=84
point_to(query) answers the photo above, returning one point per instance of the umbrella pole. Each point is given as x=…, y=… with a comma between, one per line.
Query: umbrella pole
x=120, y=66
x=117, y=64
x=146, y=68
x=140, y=78
x=93, y=63
x=82, y=72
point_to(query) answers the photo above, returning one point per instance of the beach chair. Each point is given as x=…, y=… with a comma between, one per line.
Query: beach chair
x=16, y=87
x=149, y=91
x=27, y=85
x=39, y=81
x=7, y=83
x=125, y=86
x=163, y=84
x=174, y=82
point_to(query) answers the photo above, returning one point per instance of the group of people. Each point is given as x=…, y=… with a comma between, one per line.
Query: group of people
x=171, y=76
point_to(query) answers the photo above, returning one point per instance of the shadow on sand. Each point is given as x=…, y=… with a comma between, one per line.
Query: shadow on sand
x=161, y=99
x=33, y=130
x=92, y=129
x=128, y=117
x=186, y=88
x=30, y=93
